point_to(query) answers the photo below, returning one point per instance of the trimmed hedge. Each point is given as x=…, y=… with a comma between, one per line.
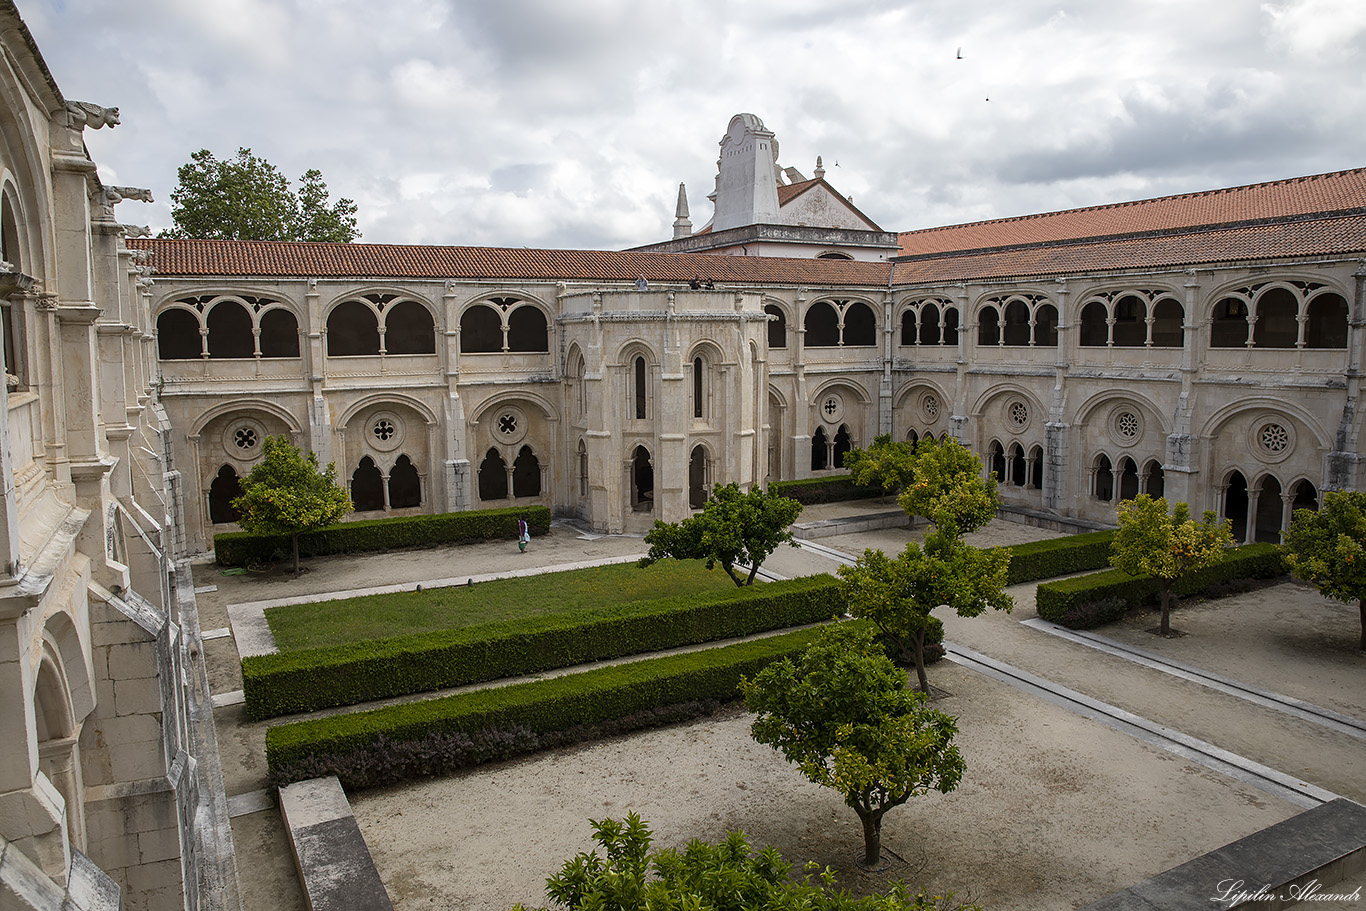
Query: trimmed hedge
x=811, y=491
x=309, y=679
x=539, y=708
x=1062, y=601
x=1059, y=556
x=238, y=547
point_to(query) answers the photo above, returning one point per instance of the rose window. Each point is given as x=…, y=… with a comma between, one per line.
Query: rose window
x=507, y=424
x=1019, y=414
x=930, y=406
x=1274, y=438
x=384, y=430
x=1127, y=425
x=831, y=406
x=245, y=438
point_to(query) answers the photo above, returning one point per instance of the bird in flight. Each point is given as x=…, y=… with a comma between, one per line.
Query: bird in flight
x=960, y=53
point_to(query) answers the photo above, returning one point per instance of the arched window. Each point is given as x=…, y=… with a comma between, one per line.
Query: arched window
x=1270, y=509
x=1156, y=480
x=697, y=477
x=1128, y=479
x=527, y=330
x=1229, y=329
x=699, y=370
x=405, y=488
x=997, y=455
x=1235, y=505
x=639, y=390
x=642, y=480
x=408, y=329
x=9, y=235
x=1105, y=480
x=225, y=488
x=1306, y=497
x=352, y=330
x=1276, y=325
x=822, y=326
x=481, y=330
x=820, y=450
x=279, y=333
x=178, y=337
x=493, y=477
x=908, y=328
x=1095, y=333
x=843, y=443
x=988, y=327
x=583, y=470
x=1046, y=326
x=860, y=326
x=367, y=486
x=950, y=326
x=833, y=255
x=777, y=327
x=1036, y=468
x=526, y=474
x=912, y=437
x=930, y=333
x=1131, y=322
x=1168, y=315
x=1016, y=332
x=1018, y=465
x=230, y=333
x=1327, y=326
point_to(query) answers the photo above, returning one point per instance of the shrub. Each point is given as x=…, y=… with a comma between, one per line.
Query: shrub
x=1059, y=556
x=309, y=679
x=1055, y=600
x=1094, y=613
x=539, y=708
x=810, y=491
x=239, y=547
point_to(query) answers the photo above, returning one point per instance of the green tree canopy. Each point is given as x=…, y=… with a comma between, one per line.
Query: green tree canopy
x=286, y=494
x=842, y=714
x=886, y=464
x=1166, y=546
x=948, y=488
x=1327, y=548
x=726, y=876
x=897, y=595
x=733, y=528
x=247, y=198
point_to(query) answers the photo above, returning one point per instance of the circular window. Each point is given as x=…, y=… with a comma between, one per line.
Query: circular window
x=1272, y=440
x=1017, y=416
x=832, y=408
x=243, y=438
x=1126, y=427
x=929, y=407
x=385, y=431
x=509, y=424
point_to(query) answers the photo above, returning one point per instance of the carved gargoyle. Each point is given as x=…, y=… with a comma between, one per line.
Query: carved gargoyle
x=82, y=114
x=136, y=230
x=137, y=194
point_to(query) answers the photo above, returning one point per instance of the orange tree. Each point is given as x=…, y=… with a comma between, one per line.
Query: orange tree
x=1328, y=549
x=287, y=494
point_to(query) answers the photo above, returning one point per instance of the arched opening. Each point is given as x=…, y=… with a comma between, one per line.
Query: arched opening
x=527, y=330
x=1036, y=468
x=860, y=326
x=1168, y=315
x=225, y=488
x=1105, y=480
x=367, y=486
x=493, y=477
x=822, y=326
x=777, y=327
x=9, y=235
x=843, y=443
x=988, y=327
x=1276, y=325
x=1306, y=497
x=1327, y=325
x=996, y=455
x=583, y=470
x=526, y=474
x=698, y=386
x=1235, y=505
x=481, y=330
x=1016, y=332
x=1156, y=480
x=405, y=488
x=639, y=389
x=279, y=333
x=697, y=477
x=1095, y=332
x=408, y=329
x=1270, y=511
x=1229, y=329
x=820, y=450
x=950, y=326
x=58, y=756
x=1128, y=479
x=1046, y=326
x=1131, y=323
x=642, y=480
x=833, y=255
x=352, y=330
x=929, y=325
x=178, y=337
x=912, y=437
x=1017, y=465
x=908, y=328
x=230, y=331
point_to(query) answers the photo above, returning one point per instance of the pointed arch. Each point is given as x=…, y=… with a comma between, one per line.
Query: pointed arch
x=367, y=486
x=405, y=487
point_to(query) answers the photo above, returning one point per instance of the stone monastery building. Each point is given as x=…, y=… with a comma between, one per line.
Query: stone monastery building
x=1206, y=346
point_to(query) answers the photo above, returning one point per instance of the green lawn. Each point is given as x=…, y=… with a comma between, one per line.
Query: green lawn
x=383, y=616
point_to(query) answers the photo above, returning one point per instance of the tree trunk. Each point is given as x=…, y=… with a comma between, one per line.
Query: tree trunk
x=295, y=538
x=1166, y=628
x=872, y=838
x=730, y=571
x=920, y=662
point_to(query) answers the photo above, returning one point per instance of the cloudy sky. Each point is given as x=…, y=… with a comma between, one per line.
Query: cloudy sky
x=570, y=123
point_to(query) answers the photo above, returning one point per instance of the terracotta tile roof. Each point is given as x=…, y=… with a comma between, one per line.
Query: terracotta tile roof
x=1339, y=191
x=274, y=259
x=1331, y=236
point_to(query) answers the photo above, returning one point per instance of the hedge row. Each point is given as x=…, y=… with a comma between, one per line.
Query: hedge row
x=309, y=679
x=539, y=708
x=1064, y=601
x=811, y=491
x=239, y=547
x=1059, y=556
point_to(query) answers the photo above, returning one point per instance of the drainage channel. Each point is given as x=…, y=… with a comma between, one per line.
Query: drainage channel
x=1240, y=768
x=1306, y=711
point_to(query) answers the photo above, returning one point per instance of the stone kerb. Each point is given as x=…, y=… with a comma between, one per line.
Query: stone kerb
x=334, y=864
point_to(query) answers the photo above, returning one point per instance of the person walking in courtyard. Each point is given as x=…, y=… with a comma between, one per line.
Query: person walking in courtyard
x=523, y=534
